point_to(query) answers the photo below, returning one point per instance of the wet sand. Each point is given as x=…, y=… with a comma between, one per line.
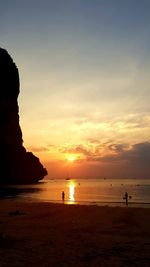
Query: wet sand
x=45, y=234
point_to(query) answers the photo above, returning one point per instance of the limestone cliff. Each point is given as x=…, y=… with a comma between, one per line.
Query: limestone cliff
x=17, y=165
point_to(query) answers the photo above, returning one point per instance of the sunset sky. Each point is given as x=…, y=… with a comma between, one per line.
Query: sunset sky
x=84, y=70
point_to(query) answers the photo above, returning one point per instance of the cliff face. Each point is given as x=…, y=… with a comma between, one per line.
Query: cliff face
x=17, y=165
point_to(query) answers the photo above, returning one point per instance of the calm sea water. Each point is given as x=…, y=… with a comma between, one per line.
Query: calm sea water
x=85, y=191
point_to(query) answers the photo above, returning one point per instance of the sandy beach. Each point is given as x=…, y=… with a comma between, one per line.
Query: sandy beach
x=45, y=234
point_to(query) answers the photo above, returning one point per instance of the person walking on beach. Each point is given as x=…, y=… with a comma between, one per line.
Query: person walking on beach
x=63, y=196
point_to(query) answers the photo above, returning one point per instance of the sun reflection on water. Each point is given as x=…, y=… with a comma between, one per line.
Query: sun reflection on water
x=71, y=187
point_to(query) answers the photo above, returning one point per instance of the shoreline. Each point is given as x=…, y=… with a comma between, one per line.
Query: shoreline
x=80, y=203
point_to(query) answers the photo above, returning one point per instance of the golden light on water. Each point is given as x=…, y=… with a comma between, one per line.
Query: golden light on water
x=71, y=192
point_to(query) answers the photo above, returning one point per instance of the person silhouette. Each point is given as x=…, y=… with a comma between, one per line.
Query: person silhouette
x=63, y=196
x=126, y=197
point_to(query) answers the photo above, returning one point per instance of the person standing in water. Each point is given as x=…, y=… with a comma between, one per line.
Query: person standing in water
x=126, y=197
x=63, y=196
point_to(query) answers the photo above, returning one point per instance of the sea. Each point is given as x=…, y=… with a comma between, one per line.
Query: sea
x=102, y=192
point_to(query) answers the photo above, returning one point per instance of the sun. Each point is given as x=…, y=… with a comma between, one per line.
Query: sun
x=71, y=158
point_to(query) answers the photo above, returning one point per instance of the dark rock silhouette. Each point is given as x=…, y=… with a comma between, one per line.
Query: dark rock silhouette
x=17, y=165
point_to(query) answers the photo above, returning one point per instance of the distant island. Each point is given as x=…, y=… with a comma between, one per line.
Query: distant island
x=17, y=165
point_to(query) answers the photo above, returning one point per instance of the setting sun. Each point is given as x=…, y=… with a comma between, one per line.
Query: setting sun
x=71, y=158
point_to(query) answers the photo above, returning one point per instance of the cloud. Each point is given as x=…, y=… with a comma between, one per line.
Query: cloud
x=79, y=149
x=94, y=151
x=112, y=153
x=39, y=149
x=109, y=159
x=117, y=148
x=129, y=161
x=139, y=154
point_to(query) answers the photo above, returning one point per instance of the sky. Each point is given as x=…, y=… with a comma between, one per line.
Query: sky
x=84, y=83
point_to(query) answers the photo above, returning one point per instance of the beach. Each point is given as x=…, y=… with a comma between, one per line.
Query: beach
x=47, y=234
